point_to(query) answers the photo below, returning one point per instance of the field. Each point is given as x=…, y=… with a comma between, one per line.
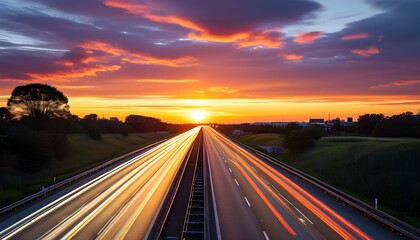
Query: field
x=83, y=153
x=367, y=168
x=254, y=140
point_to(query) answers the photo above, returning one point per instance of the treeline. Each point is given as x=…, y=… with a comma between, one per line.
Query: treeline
x=298, y=138
x=377, y=125
x=37, y=119
x=35, y=143
x=91, y=123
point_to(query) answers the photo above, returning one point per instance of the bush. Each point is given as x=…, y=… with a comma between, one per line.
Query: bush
x=297, y=140
x=313, y=132
x=302, y=138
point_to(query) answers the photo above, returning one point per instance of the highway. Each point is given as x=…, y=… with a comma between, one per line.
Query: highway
x=119, y=204
x=249, y=198
x=255, y=200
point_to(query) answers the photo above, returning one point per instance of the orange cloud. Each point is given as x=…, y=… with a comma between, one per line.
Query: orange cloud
x=398, y=83
x=360, y=35
x=270, y=38
x=222, y=90
x=128, y=57
x=112, y=60
x=74, y=86
x=145, y=11
x=307, y=37
x=366, y=52
x=73, y=73
x=167, y=81
x=293, y=57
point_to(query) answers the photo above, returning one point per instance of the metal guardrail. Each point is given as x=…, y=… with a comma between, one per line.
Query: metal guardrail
x=390, y=221
x=67, y=181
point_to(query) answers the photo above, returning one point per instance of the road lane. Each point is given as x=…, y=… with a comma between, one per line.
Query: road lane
x=284, y=209
x=236, y=219
x=114, y=200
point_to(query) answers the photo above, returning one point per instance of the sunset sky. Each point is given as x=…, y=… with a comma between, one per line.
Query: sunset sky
x=233, y=61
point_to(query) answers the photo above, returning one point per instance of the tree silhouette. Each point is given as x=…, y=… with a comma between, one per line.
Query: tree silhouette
x=91, y=117
x=5, y=114
x=38, y=101
x=367, y=122
x=144, y=124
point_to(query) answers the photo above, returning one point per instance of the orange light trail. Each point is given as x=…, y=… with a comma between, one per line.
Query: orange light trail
x=267, y=202
x=296, y=191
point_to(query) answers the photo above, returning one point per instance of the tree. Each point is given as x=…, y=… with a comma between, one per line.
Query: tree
x=303, y=138
x=314, y=132
x=297, y=140
x=5, y=114
x=291, y=127
x=38, y=101
x=401, y=125
x=92, y=117
x=367, y=122
x=144, y=124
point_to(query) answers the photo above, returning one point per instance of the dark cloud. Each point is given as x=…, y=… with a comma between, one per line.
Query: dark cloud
x=76, y=55
x=84, y=8
x=383, y=4
x=16, y=65
x=230, y=16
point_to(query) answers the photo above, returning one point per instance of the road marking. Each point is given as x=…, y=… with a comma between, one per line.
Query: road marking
x=236, y=182
x=287, y=200
x=266, y=236
x=230, y=170
x=246, y=199
x=219, y=236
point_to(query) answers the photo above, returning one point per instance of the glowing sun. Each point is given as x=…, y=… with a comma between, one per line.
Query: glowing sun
x=198, y=115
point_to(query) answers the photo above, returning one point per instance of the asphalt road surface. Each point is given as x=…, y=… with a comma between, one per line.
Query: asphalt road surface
x=254, y=200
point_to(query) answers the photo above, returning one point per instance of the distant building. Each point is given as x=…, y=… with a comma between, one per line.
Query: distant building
x=350, y=119
x=303, y=124
x=272, y=124
x=262, y=123
x=279, y=124
x=316, y=121
x=273, y=149
x=238, y=132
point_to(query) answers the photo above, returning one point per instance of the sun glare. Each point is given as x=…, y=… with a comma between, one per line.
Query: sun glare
x=198, y=115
